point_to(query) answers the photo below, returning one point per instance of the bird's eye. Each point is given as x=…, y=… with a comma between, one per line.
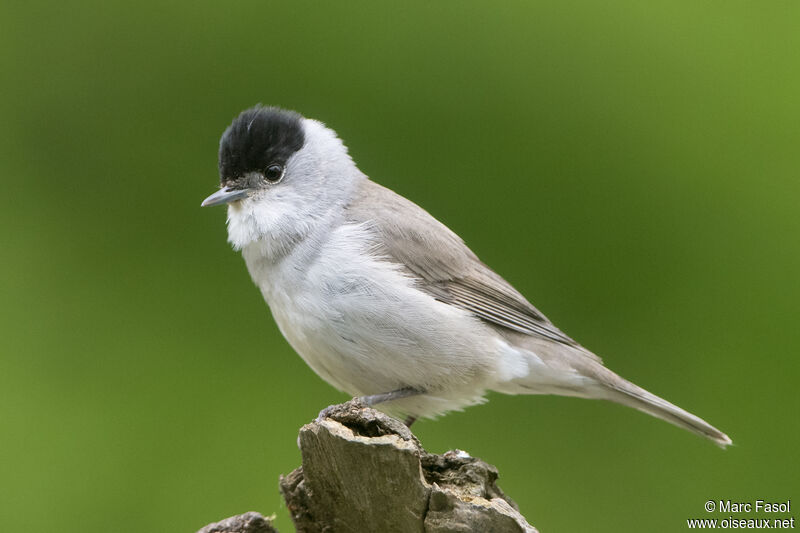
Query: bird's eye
x=274, y=173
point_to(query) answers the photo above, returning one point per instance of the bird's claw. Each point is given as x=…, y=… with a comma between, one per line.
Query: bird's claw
x=329, y=411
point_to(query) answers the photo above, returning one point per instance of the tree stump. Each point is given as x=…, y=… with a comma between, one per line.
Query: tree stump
x=364, y=471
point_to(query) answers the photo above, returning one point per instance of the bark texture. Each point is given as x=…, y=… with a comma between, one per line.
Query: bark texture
x=251, y=522
x=364, y=471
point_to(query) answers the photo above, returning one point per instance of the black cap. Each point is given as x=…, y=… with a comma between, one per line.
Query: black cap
x=258, y=138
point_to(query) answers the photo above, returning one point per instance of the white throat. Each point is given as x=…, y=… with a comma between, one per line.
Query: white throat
x=320, y=179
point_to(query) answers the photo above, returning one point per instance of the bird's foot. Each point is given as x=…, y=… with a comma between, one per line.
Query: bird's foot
x=370, y=401
x=398, y=394
x=340, y=407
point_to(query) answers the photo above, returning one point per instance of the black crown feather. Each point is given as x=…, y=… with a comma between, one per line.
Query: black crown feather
x=257, y=138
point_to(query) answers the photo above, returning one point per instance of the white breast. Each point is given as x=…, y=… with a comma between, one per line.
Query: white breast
x=360, y=323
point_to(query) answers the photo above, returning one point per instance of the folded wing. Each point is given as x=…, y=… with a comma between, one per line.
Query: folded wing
x=443, y=265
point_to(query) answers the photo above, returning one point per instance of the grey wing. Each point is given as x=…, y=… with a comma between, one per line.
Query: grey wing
x=446, y=268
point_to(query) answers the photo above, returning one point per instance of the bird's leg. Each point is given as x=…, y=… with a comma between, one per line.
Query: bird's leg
x=394, y=395
x=375, y=399
x=398, y=394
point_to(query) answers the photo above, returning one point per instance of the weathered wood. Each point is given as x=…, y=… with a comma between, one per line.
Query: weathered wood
x=364, y=471
x=251, y=522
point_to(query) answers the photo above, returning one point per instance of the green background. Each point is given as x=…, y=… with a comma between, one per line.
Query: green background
x=631, y=167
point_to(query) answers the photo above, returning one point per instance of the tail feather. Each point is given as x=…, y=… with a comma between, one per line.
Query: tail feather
x=624, y=392
x=573, y=371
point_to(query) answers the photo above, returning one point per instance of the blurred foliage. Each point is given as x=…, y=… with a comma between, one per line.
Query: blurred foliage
x=632, y=167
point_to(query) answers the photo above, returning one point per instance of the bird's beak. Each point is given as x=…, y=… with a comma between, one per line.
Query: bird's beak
x=225, y=195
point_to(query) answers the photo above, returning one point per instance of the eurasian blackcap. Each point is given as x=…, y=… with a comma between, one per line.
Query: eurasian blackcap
x=381, y=299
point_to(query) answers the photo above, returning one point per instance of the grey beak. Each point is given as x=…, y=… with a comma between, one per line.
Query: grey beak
x=225, y=195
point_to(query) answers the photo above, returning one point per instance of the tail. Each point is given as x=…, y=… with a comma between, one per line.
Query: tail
x=621, y=391
x=574, y=371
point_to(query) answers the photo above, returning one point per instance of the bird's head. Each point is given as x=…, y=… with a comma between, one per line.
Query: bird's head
x=280, y=174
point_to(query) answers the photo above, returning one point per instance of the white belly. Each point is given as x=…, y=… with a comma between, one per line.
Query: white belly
x=361, y=325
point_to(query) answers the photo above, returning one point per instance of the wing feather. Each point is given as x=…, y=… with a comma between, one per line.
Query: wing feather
x=445, y=267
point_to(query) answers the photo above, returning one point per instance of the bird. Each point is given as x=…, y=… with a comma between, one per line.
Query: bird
x=382, y=300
